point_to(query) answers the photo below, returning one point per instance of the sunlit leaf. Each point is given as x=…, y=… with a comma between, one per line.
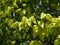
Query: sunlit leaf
x=35, y=42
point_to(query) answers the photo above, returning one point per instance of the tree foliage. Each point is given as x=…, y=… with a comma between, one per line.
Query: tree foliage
x=22, y=22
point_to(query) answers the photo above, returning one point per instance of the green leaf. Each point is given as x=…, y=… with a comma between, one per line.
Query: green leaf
x=35, y=30
x=12, y=42
x=18, y=10
x=23, y=24
x=56, y=42
x=32, y=19
x=42, y=36
x=1, y=33
x=15, y=24
x=35, y=42
x=46, y=16
x=15, y=5
x=2, y=15
x=24, y=5
x=24, y=19
x=24, y=12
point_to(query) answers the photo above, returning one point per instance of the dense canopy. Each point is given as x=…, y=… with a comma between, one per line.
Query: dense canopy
x=29, y=22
